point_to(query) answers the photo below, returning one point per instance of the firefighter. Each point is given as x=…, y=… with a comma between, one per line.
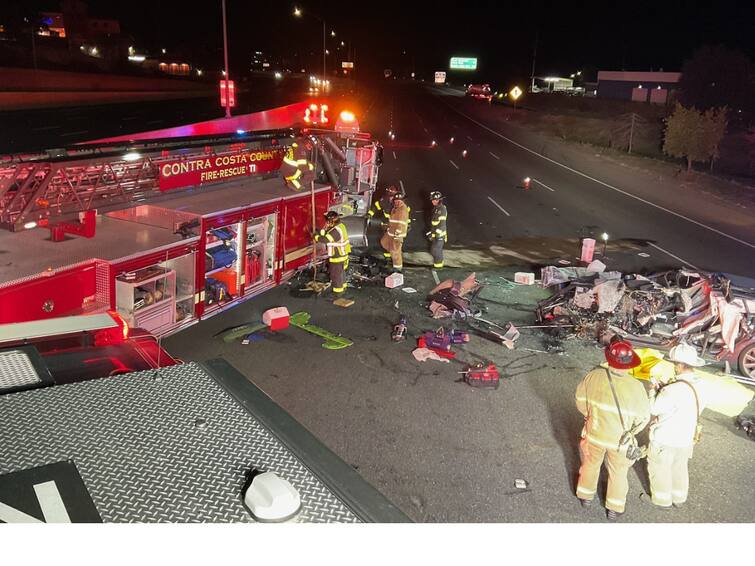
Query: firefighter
x=675, y=409
x=398, y=225
x=612, y=404
x=438, y=235
x=294, y=165
x=337, y=242
x=382, y=208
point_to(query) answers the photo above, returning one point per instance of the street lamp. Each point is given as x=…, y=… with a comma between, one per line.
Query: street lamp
x=299, y=13
x=225, y=73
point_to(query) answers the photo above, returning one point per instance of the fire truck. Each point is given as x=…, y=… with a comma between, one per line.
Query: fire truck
x=110, y=245
x=170, y=227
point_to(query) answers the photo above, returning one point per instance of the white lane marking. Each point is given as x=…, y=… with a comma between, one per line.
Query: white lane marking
x=494, y=155
x=53, y=508
x=400, y=182
x=426, y=130
x=74, y=133
x=676, y=257
x=469, y=138
x=435, y=277
x=394, y=155
x=130, y=118
x=452, y=163
x=499, y=206
x=155, y=121
x=543, y=184
x=618, y=190
x=45, y=128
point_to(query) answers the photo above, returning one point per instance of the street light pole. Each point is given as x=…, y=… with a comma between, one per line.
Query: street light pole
x=323, y=49
x=227, y=74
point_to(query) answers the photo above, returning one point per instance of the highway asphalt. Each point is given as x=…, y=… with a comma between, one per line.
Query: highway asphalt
x=489, y=206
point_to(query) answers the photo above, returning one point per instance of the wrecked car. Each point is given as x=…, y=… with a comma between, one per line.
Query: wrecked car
x=659, y=310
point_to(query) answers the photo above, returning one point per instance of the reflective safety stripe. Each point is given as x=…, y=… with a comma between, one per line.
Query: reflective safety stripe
x=386, y=254
x=585, y=491
x=611, y=408
x=679, y=492
x=438, y=265
x=399, y=221
x=435, y=222
x=377, y=205
x=617, y=502
x=442, y=217
x=338, y=259
x=339, y=289
x=602, y=443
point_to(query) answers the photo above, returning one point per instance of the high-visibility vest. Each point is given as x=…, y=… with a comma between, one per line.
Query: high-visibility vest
x=337, y=243
x=438, y=222
x=595, y=401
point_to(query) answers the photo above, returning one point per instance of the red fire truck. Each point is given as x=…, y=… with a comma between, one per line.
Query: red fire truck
x=171, y=227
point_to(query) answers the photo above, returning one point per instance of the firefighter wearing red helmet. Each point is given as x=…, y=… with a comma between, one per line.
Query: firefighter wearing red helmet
x=615, y=407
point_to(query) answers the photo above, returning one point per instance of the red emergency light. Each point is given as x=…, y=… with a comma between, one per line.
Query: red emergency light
x=316, y=114
x=227, y=93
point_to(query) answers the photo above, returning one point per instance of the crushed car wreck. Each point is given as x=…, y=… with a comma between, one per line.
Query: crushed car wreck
x=658, y=310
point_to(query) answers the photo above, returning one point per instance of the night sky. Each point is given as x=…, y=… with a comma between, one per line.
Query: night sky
x=572, y=36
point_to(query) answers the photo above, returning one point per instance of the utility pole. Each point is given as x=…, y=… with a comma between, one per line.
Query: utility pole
x=534, y=58
x=323, y=49
x=227, y=74
x=631, y=132
x=33, y=46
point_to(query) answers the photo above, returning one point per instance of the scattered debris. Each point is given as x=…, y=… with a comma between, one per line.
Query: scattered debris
x=524, y=278
x=661, y=310
x=409, y=290
x=345, y=303
x=399, y=330
x=332, y=341
x=453, y=298
x=230, y=334
x=394, y=280
x=482, y=376
x=521, y=484
x=276, y=318
x=747, y=424
x=424, y=354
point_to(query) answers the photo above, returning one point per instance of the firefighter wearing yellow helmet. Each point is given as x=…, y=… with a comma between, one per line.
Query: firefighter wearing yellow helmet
x=295, y=164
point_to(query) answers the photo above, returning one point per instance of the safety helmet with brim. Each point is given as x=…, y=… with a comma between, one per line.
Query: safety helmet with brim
x=621, y=355
x=685, y=354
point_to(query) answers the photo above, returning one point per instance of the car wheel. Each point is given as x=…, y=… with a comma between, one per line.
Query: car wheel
x=746, y=361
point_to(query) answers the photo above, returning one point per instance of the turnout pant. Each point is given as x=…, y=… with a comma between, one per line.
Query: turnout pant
x=669, y=475
x=393, y=247
x=337, y=271
x=617, y=464
x=436, y=249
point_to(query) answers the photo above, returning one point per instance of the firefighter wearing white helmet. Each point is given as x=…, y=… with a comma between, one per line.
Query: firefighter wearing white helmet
x=675, y=408
x=438, y=235
x=337, y=241
x=295, y=165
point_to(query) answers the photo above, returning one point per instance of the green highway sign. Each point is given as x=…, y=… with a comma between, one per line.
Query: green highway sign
x=463, y=63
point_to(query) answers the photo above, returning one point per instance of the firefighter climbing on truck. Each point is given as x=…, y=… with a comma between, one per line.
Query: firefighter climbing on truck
x=295, y=165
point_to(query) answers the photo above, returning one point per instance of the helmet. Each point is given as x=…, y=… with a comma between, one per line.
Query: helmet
x=620, y=355
x=685, y=354
x=436, y=195
x=332, y=216
x=399, y=196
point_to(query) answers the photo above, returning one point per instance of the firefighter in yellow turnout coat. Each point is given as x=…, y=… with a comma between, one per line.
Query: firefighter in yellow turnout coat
x=337, y=242
x=603, y=430
x=398, y=225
